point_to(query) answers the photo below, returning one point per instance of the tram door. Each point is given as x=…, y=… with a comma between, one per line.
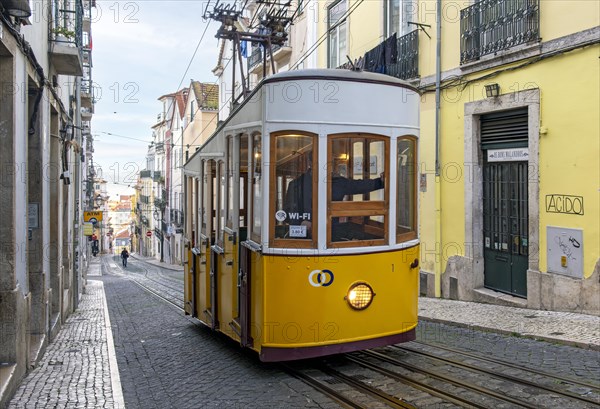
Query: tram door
x=505, y=202
x=203, y=243
x=243, y=279
x=211, y=217
x=227, y=244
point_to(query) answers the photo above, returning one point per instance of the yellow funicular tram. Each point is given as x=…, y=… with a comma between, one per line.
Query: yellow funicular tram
x=301, y=216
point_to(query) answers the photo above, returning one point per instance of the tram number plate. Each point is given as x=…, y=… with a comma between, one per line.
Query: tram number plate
x=297, y=231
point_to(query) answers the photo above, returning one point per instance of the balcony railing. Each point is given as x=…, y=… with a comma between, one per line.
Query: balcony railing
x=395, y=56
x=406, y=63
x=66, y=37
x=148, y=174
x=490, y=26
x=256, y=58
x=88, y=97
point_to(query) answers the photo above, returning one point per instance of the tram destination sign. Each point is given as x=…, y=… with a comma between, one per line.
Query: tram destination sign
x=507, y=155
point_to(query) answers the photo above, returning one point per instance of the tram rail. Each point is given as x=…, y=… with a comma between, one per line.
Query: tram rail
x=562, y=379
x=323, y=373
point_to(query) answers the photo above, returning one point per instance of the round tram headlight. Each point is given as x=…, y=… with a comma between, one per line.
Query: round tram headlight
x=360, y=295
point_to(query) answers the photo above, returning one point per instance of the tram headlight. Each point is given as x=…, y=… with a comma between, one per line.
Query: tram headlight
x=360, y=295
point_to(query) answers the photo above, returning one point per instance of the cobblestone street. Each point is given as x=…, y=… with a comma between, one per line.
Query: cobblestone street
x=126, y=347
x=167, y=361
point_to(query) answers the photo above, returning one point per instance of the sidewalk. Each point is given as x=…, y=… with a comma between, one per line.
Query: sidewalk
x=561, y=327
x=79, y=368
x=155, y=262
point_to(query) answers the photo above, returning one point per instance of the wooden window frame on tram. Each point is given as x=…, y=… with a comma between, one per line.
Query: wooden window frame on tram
x=362, y=208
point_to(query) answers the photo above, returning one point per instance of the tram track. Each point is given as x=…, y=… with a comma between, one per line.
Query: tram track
x=515, y=379
x=335, y=376
x=475, y=390
x=400, y=376
x=561, y=379
x=171, y=299
x=163, y=277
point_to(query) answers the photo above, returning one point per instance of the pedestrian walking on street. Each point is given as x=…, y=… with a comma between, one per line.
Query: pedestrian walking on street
x=124, y=256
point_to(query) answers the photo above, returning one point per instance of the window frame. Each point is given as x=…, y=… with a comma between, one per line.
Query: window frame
x=244, y=180
x=411, y=235
x=336, y=26
x=362, y=208
x=255, y=234
x=229, y=171
x=294, y=243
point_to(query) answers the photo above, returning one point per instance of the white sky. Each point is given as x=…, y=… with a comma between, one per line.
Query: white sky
x=140, y=51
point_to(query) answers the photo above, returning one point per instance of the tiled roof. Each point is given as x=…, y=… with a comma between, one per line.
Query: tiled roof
x=181, y=98
x=207, y=95
x=123, y=234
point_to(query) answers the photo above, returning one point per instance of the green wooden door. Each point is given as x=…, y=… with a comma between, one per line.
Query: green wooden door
x=505, y=227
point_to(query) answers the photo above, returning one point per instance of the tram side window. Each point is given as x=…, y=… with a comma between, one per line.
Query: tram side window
x=230, y=165
x=211, y=199
x=243, y=179
x=222, y=202
x=294, y=181
x=406, y=219
x=357, y=193
x=256, y=184
x=202, y=199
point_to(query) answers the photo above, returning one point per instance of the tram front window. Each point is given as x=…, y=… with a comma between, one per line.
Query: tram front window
x=294, y=181
x=357, y=166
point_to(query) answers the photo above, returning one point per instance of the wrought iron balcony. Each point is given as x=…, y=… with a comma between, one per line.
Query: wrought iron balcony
x=87, y=93
x=150, y=173
x=66, y=39
x=395, y=56
x=406, y=64
x=490, y=26
x=87, y=14
x=256, y=58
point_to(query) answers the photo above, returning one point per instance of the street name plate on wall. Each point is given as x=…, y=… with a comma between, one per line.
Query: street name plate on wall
x=33, y=215
x=507, y=155
x=565, y=251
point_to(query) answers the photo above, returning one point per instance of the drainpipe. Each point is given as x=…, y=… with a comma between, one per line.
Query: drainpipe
x=438, y=185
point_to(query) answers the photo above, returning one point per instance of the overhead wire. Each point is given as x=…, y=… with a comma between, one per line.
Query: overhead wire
x=311, y=49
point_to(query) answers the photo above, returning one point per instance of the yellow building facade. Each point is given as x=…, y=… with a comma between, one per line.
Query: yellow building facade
x=510, y=140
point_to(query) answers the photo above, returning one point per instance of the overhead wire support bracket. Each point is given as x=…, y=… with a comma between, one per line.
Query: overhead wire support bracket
x=274, y=23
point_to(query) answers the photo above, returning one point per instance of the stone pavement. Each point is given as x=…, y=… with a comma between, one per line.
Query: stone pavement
x=155, y=262
x=79, y=368
x=561, y=327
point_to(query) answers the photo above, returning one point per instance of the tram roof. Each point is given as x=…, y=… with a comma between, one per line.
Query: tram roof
x=332, y=74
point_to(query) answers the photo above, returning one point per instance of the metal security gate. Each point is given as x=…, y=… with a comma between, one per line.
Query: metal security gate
x=505, y=201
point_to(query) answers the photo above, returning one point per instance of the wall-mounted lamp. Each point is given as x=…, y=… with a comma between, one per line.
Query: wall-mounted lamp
x=492, y=90
x=17, y=8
